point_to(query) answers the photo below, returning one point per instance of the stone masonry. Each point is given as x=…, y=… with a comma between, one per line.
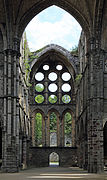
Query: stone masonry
x=89, y=93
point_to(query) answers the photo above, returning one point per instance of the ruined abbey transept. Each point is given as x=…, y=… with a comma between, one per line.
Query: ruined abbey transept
x=53, y=102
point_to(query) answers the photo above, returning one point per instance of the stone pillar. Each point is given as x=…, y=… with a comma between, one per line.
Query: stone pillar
x=47, y=130
x=73, y=131
x=46, y=89
x=95, y=109
x=60, y=90
x=24, y=153
x=11, y=111
x=62, y=138
x=58, y=130
x=20, y=151
x=43, y=131
x=33, y=131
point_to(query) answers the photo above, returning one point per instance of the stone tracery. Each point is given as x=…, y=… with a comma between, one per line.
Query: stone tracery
x=91, y=99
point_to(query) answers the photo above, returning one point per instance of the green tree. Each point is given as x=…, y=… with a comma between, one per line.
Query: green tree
x=74, y=51
x=52, y=99
x=39, y=99
x=39, y=87
x=68, y=124
x=38, y=129
x=66, y=99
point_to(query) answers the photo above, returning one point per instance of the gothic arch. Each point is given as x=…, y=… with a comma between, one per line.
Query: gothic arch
x=34, y=112
x=38, y=110
x=40, y=6
x=53, y=110
x=73, y=123
x=66, y=57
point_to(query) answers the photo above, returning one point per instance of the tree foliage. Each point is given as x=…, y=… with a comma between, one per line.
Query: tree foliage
x=53, y=119
x=39, y=99
x=39, y=88
x=66, y=99
x=52, y=99
x=38, y=129
x=68, y=124
x=74, y=51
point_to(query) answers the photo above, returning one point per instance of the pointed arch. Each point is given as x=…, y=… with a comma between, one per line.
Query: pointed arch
x=65, y=56
x=41, y=5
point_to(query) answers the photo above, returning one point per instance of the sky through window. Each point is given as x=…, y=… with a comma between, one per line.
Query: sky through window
x=53, y=26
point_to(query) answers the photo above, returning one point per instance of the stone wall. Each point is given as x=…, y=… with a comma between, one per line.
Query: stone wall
x=24, y=116
x=1, y=95
x=39, y=157
x=81, y=104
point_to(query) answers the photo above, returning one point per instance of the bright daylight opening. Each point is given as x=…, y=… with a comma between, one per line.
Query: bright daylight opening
x=54, y=159
x=52, y=80
x=53, y=26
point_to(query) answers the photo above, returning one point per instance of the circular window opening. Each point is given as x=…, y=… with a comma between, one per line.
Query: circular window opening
x=66, y=87
x=53, y=87
x=52, y=76
x=66, y=99
x=52, y=99
x=59, y=67
x=39, y=99
x=46, y=67
x=39, y=76
x=66, y=76
x=39, y=87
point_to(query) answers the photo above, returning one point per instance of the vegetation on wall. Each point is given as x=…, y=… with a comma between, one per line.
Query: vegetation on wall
x=26, y=61
x=78, y=79
x=74, y=51
x=33, y=55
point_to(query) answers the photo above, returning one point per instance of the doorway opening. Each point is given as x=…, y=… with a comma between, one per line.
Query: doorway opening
x=54, y=160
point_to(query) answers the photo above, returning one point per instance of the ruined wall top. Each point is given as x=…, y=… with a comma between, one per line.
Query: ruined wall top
x=59, y=50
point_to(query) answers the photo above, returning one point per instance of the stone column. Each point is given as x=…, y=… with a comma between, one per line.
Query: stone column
x=47, y=130
x=43, y=131
x=62, y=138
x=59, y=90
x=24, y=152
x=95, y=109
x=33, y=130
x=73, y=131
x=11, y=111
x=46, y=88
x=58, y=130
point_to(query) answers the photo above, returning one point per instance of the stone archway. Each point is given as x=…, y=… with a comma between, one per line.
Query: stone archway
x=15, y=16
x=54, y=159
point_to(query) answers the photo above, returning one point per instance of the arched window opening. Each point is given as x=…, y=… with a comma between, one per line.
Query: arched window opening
x=68, y=129
x=53, y=159
x=38, y=129
x=105, y=144
x=52, y=84
x=44, y=24
x=53, y=129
